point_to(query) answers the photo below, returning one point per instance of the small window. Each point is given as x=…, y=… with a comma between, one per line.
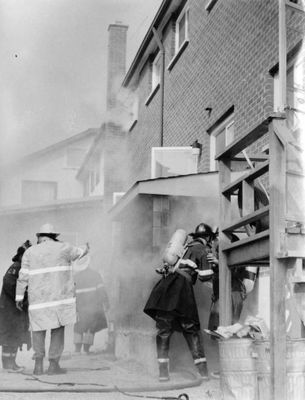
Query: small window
x=156, y=71
x=182, y=29
x=210, y=4
x=220, y=138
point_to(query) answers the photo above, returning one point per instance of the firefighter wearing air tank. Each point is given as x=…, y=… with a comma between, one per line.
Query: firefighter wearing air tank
x=172, y=302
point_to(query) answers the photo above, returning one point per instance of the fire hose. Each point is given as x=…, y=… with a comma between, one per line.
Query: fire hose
x=182, y=396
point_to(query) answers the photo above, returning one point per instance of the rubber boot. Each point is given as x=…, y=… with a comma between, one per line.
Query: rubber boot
x=38, y=368
x=54, y=368
x=14, y=366
x=86, y=348
x=203, y=369
x=5, y=362
x=163, y=371
x=78, y=347
x=162, y=341
x=196, y=348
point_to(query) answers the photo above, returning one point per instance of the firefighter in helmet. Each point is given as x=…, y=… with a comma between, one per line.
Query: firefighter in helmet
x=172, y=302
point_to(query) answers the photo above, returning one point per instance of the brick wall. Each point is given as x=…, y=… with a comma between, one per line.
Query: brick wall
x=227, y=62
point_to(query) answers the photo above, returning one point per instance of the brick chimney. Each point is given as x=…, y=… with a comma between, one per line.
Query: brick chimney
x=116, y=60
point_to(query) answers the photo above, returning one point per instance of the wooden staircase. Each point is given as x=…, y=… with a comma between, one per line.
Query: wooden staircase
x=280, y=240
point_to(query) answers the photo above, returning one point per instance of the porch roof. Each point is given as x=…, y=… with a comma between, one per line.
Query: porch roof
x=203, y=185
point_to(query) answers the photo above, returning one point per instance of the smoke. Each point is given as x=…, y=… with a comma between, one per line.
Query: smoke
x=124, y=110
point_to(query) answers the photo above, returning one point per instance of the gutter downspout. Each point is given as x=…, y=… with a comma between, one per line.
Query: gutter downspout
x=162, y=51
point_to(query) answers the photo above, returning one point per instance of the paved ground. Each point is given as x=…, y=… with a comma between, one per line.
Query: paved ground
x=100, y=376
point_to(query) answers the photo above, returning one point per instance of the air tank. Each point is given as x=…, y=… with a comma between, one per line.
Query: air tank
x=175, y=247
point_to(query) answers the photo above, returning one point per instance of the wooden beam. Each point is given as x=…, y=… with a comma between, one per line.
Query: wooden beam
x=248, y=176
x=246, y=241
x=282, y=56
x=241, y=143
x=295, y=7
x=277, y=182
x=225, y=308
x=248, y=219
x=256, y=253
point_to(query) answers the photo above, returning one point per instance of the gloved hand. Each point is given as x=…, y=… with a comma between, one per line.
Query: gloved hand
x=19, y=305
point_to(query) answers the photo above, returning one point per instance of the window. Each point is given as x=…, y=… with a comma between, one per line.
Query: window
x=220, y=138
x=171, y=161
x=210, y=4
x=156, y=71
x=74, y=157
x=38, y=191
x=295, y=92
x=182, y=29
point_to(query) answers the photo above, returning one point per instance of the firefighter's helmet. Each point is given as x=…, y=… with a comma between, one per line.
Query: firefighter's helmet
x=203, y=230
x=47, y=230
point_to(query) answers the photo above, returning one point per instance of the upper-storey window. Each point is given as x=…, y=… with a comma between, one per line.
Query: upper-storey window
x=156, y=71
x=182, y=29
x=210, y=4
x=155, y=76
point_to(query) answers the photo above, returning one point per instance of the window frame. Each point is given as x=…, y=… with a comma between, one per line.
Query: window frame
x=156, y=78
x=184, y=12
x=210, y=4
x=224, y=125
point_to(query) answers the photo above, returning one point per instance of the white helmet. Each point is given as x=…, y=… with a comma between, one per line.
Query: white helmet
x=47, y=229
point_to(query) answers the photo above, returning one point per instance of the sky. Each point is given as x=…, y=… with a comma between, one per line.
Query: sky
x=53, y=69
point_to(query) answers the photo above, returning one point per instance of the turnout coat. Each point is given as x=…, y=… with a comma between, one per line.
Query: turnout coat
x=47, y=271
x=14, y=324
x=174, y=293
x=91, y=299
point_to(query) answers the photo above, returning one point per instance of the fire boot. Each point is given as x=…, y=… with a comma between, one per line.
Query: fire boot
x=203, y=369
x=54, y=368
x=86, y=348
x=5, y=362
x=14, y=366
x=196, y=348
x=78, y=347
x=38, y=369
x=162, y=341
x=163, y=370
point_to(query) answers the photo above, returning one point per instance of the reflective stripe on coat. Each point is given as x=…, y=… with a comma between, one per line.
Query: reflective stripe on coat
x=46, y=270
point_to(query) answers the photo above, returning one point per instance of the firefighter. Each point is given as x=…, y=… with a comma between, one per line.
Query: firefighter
x=173, y=306
x=47, y=272
x=242, y=283
x=91, y=304
x=14, y=324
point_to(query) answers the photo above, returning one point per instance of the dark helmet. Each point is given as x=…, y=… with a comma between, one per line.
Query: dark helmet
x=203, y=230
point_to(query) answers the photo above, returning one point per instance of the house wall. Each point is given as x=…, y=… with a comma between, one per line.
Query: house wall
x=226, y=63
x=49, y=167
